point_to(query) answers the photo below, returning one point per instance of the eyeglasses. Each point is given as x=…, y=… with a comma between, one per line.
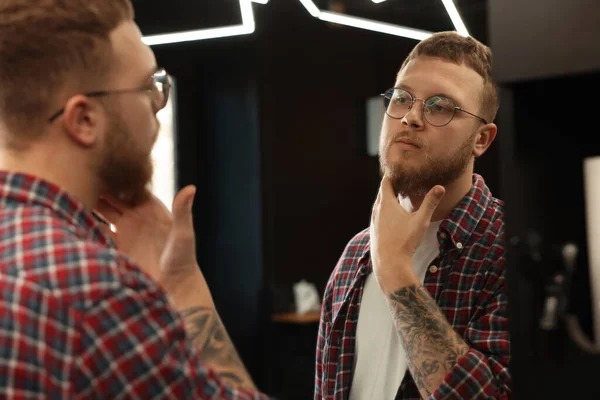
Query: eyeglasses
x=438, y=110
x=159, y=91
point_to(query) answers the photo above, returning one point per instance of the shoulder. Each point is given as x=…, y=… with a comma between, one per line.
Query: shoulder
x=358, y=245
x=491, y=227
x=356, y=249
x=77, y=266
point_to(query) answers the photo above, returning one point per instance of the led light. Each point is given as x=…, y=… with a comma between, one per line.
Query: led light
x=310, y=6
x=459, y=25
x=197, y=35
x=248, y=25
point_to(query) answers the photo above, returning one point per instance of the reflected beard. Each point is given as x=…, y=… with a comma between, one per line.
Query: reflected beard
x=413, y=182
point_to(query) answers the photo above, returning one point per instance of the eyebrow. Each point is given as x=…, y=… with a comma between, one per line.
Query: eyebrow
x=409, y=89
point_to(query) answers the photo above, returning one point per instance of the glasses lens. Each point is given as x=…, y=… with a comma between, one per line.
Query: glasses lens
x=439, y=110
x=162, y=87
x=397, y=103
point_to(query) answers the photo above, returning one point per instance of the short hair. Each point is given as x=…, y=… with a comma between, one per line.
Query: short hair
x=458, y=49
x=46, y=45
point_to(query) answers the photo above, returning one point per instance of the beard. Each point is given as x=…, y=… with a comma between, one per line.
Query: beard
x=126, y=170
x=409, y=181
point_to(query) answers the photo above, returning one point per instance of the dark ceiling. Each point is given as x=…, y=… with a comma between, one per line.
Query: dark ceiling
x=158, y=16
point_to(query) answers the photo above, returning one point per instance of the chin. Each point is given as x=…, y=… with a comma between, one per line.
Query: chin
x=404, y=164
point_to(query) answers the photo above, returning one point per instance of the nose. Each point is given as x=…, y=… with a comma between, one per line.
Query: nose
x=414, y=117
x=155, y=99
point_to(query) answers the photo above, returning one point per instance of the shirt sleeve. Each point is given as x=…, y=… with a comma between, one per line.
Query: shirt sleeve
x=321, y=338
x=482, y=373
x=133, y=345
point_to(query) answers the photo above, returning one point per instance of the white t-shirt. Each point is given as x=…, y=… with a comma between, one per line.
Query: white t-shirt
x=379, y=358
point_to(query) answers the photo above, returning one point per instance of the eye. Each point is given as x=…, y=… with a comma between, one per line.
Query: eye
x=402, y=97
x=439, y=105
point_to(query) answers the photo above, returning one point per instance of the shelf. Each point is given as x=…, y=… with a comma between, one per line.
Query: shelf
x=293, y=318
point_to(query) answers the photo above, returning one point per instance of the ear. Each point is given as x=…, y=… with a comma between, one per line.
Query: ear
x=484, y=138
x=83, y=120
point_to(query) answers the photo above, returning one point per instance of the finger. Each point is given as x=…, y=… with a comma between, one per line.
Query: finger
x=182, y=206
x=376, y=205
x=387, y=190
x=378, y=198
x=430, y=203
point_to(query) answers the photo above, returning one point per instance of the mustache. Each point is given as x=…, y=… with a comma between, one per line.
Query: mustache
x=406, y=135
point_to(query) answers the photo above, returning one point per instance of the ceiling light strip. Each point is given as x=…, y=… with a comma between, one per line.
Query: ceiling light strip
x=248, y=24
x=311, y=8
x=459, y=25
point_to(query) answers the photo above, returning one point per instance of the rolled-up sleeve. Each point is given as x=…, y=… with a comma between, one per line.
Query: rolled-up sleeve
x=482, y=373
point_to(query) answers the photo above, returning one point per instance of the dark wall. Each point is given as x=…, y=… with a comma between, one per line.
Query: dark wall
x=544, y=38
x=546, y=53
x=319, y=181
x=542, y=180
x=218, y=151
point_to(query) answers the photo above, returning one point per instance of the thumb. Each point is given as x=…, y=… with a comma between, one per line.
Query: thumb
x=430, y=203
x=182, y=206
x=386, y=190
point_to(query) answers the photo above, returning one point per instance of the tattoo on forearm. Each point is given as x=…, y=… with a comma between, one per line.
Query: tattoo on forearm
x=432, y=347
x=205, y=329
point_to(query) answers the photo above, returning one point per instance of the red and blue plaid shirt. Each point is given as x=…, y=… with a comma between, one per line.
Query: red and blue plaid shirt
x=468, y=286
x=77, y=318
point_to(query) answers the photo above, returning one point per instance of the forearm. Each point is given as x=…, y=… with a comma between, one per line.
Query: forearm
x=205, y=329
x=432, y=347
x=192, y=298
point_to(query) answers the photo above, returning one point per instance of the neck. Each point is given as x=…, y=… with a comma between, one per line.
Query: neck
x=54, y=166
x=454, y=194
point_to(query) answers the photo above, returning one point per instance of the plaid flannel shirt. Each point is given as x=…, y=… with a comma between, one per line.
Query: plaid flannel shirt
x=77, y=318
x=468, y=286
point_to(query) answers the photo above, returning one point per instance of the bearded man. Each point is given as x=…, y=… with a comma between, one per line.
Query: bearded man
x=416, y=306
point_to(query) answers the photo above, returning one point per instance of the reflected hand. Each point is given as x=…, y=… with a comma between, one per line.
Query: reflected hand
x=396, y=233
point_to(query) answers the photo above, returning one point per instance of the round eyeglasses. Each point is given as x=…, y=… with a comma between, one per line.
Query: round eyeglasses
x=159, y=91
x=437, y=110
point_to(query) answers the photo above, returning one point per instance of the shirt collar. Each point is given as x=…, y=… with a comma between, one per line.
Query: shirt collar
x=461, y=223
x=23, y=189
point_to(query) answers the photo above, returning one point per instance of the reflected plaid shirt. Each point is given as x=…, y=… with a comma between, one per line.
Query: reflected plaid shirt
x=468, y=286
x=77, y=318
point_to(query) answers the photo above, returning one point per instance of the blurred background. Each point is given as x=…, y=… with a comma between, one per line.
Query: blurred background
x=273, y=122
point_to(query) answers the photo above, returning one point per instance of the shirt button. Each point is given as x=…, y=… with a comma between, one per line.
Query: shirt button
x=443, y=235
x=433, y=269
x=459, y=245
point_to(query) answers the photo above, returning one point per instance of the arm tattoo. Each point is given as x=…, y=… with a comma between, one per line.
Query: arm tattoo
x=432, y=347
x=206, y=331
